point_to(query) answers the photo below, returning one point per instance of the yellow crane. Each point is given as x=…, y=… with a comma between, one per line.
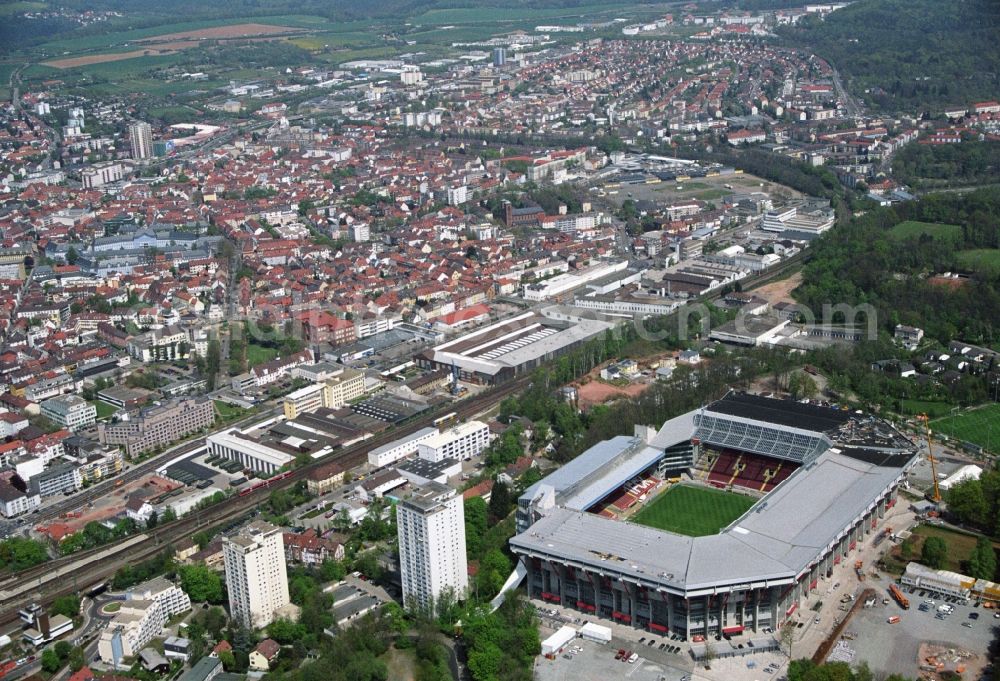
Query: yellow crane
x=930, y=457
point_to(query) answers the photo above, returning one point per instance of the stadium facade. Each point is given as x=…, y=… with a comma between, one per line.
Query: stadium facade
x=826, y=476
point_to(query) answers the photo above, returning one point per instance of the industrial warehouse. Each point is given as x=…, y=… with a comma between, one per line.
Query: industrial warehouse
x=512, y=347
x=802, y=484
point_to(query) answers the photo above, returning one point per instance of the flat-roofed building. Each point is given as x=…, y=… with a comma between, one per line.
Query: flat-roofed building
x=431, y=532
x=146, y=429
x=172, y=599
x=255, y=574
x=399, y=449
x=234, y=445
x=69, y=411
x=461, y=442
x=136, y=623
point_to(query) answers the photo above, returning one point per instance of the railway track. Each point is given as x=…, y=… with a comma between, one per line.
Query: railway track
x=69, y=574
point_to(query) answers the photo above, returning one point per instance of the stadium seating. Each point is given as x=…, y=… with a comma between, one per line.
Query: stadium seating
x=722, y=470
x=750, y=471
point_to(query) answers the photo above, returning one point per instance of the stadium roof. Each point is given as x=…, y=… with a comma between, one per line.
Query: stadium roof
x=773, y=542
x=576, y=472
x=780, y=412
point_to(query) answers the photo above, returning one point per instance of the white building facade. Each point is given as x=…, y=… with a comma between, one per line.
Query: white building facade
x=255, y=574
x=431, y=531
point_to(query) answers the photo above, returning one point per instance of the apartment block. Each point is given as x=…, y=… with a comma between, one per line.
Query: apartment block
x=255, y=574
x=69, y=411
x=172, y=599
x=462, y=442
x=158, y=426
x=332, y=393
x=134, y=625
x=431, y=531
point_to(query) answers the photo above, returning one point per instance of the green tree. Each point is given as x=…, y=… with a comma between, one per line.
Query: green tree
x=19, y=553
x=983, y=561
x=500, y=501
x=77, y=659
x=285, y=631
x=968, y=503
x=63, y=649
x=934, y=553
x=68, y=606
x=50, y=661
x=475, y=524
x=201, y=584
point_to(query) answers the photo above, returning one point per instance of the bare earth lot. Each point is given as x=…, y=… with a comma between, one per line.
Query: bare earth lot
x=781, y=290
x=224, y=33
x=73, y=62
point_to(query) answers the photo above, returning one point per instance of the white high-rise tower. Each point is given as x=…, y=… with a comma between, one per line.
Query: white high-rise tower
x=431, y=528
x=255, y=574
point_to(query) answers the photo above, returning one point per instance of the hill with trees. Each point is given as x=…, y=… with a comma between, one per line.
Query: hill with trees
x=933, y=166
x=910, y=55
x=866, y=262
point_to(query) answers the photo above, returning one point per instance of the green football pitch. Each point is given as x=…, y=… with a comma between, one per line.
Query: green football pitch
x=981, y=426
x=693, y=511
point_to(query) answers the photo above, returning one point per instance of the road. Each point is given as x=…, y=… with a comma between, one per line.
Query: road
x=851, y=105
x=133, y=473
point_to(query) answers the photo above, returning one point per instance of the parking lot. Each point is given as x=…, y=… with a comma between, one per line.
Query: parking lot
x=893, y=648
x=583, y=660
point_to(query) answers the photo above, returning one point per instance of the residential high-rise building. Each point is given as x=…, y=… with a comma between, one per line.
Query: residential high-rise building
x=431, y=529
x=140, y=136
x=255, y=574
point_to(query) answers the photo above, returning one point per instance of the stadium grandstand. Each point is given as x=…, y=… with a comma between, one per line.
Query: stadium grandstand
x=816, y=480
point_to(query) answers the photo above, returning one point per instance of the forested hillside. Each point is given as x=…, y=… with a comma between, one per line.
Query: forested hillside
x=929, y=166
x=911, y=55
x=867, y=261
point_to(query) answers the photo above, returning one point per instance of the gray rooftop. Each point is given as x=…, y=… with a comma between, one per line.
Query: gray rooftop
x=773, y=542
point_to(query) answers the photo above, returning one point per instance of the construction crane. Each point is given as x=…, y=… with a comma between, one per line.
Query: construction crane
x=930, y=457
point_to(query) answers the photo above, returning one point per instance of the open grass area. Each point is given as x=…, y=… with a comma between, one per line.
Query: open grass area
x=693, y=511
x=913, y=229
x=258, y=354
x=228, y=411
x=980, y=425
x=104, y=410
x=984, y=260
x=9, y=8
x=118, y=38
x=932, y=409
x=483, y=15
x=960, y=545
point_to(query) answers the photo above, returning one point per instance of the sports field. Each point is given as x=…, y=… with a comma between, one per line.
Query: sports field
x=914, y=229
x=981, y=426
x=693, y=511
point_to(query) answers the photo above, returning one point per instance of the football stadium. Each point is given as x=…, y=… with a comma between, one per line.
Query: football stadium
x=720, y=522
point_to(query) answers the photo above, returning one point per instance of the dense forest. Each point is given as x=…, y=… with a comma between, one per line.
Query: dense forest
x=910, y=55
x=866, y=261
x=930, y=166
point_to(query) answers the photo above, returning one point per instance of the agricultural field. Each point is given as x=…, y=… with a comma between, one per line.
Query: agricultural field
x=9, y=8
x=693, y=511
x=980, y=426
x=983, y=260
x=444, y=17
x=107, y=41
x=911, y=229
